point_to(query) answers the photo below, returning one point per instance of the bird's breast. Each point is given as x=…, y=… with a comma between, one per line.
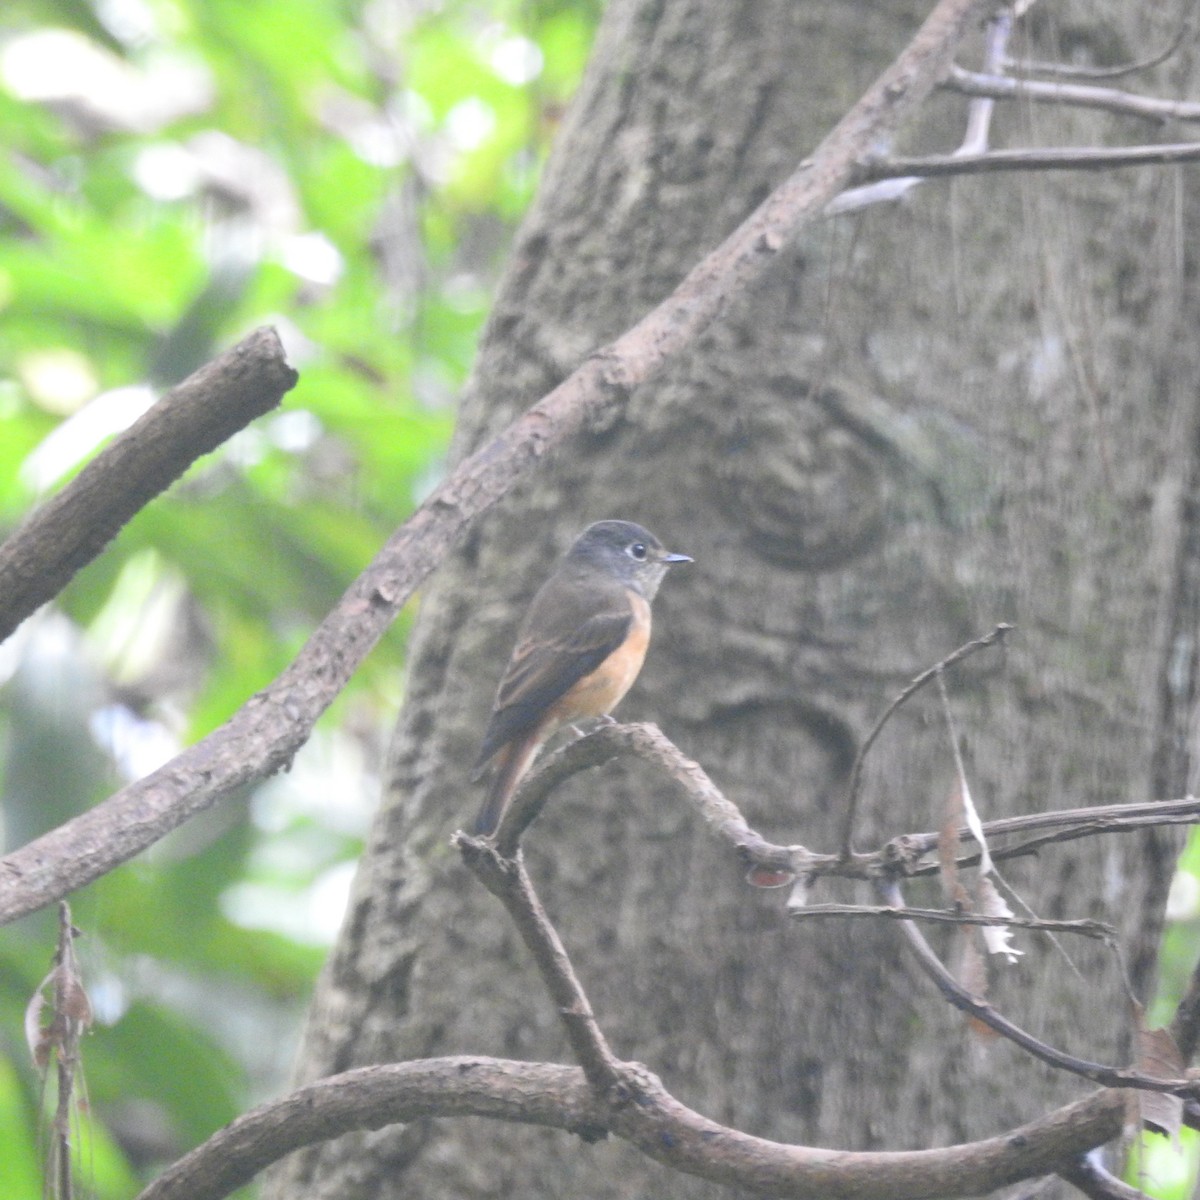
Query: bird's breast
x=599, y=693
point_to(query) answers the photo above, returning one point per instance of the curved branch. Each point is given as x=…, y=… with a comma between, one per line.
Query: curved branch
x=1094, y=1180
x=958, y=996
x=74, y=525
x=996, y=637
x=265, y=733
x=641, y=1112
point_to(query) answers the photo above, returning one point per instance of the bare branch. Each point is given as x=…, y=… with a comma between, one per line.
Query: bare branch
x=855, y=786
x=265, y=733
x=1070, y=71
x=1067, y=825
x=960, y=998
x=1077, y=95
x=645, y=1114
x=1092, y=929
x=902, y=854
x=73, y=526
x=508, y=881
x=1064, y=158
x=975, y=137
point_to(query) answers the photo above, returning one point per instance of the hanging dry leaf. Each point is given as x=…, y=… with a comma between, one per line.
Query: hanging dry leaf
x=58, y=1012
x=1158, y=1055
x=952, y=818
x=997, y=938
x=970, y=969
x=38, y=1038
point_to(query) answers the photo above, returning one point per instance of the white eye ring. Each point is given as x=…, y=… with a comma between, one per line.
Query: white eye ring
x=636, y=550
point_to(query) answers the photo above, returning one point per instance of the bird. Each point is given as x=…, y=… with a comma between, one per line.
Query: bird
x=578, y=651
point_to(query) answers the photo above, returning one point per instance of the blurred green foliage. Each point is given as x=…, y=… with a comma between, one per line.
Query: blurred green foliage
x=173, y=174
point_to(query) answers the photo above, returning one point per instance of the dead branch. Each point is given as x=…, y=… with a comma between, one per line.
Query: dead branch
x=1066, y=825
x=1077, y=95
x=73, y=526
x=955, y=994
x=996, y=637
x=1086, y=928
x=648, y=744
x=902, y=854
x=1063, y=158
x=1071, y=71
x=266, y=732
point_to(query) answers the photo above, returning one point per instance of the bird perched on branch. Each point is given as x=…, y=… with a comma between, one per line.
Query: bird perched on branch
x=578, y=651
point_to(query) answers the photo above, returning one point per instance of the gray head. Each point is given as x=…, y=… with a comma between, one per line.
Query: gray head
x=628, y=551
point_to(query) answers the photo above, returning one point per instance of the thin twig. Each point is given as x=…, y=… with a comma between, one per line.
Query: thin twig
x=1067, y=824
x=1019, y=900
x=1070, y=71
x=1086, y=928
x=979, y=114
x=953, y=992
x=1075, y=95
x=975, y=137
x=647, y=742
x=1064, y=158
x=855, y=786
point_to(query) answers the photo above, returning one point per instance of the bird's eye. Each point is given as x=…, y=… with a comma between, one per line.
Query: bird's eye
x=636, y=550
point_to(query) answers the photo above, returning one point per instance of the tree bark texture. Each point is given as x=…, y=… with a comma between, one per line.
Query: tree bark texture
x=979, y=407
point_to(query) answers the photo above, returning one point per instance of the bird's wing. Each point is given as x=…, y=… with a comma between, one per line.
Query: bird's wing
x=567, y=634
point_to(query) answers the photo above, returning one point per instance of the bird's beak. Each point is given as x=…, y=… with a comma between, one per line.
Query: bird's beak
x=677, y=558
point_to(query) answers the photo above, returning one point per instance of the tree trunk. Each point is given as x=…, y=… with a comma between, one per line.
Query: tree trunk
x=979, y=407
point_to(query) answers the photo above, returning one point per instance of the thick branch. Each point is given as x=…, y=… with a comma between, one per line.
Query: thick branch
x=73, y=526
x=264, y=734
x=645, y=1115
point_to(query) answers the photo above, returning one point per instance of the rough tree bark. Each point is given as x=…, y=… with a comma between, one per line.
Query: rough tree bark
x=980, y=407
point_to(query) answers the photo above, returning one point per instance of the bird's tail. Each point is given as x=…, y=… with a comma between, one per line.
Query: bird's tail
x=511, y=762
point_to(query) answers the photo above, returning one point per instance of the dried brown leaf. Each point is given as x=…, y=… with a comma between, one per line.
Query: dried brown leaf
x=37, y=1037
x=1159, y=1056
x=952, y=818
x=970, y=969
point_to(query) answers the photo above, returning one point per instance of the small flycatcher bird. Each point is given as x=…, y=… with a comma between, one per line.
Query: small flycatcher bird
x=578, y=651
